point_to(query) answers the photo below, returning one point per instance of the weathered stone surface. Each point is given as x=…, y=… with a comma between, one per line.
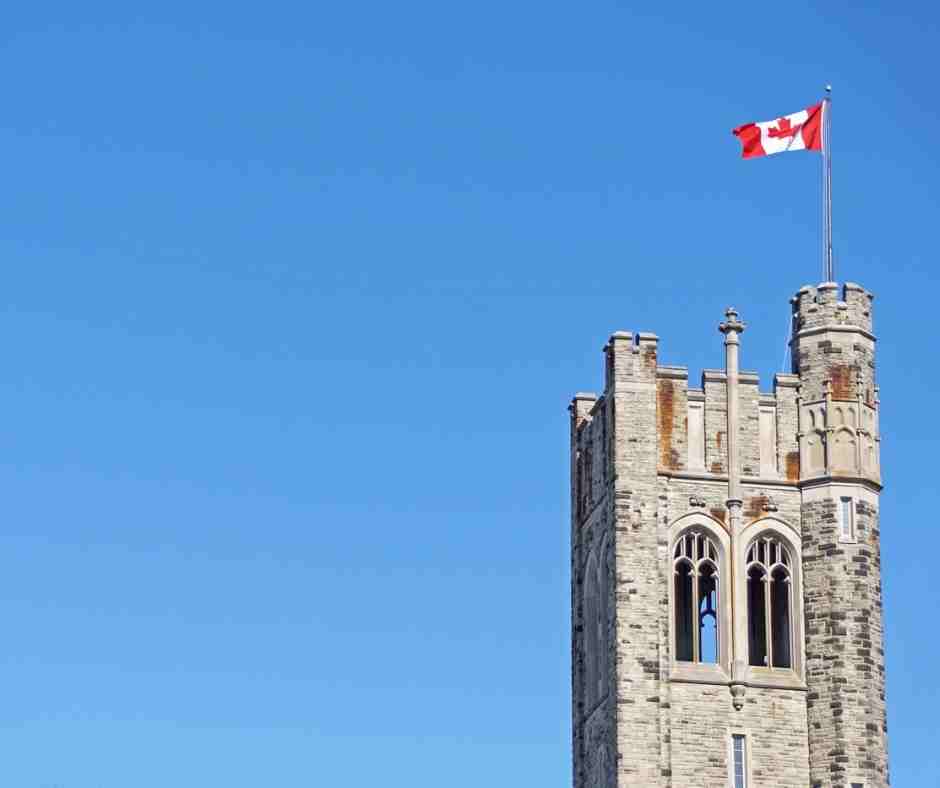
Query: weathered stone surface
x=640, y=717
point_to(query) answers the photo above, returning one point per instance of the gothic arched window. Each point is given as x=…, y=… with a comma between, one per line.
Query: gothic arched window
x=592, y=604
x=769, y=603
x=695, y=575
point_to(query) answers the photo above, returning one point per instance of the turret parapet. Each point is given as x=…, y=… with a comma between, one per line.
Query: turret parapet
x=816, y=307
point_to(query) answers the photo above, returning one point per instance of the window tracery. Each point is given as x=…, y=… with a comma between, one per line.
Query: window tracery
x=695, y=600
x=769, y=603
x=592, y=629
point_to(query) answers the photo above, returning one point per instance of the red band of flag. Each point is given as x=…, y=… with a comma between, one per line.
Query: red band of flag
x=799, y=131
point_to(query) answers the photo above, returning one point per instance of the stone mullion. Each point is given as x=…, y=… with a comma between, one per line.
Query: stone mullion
x=696, y=622
x=768, y=621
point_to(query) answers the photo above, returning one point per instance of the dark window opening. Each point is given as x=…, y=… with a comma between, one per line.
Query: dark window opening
x=684, y=648
x=780, y=618
x=769, y=604
x=756, y=617
x=695, y=598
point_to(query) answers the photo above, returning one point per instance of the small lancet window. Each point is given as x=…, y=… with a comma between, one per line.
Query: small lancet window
x=769, y=604
x=846, y=520
x=739, y=763
x=695, y=573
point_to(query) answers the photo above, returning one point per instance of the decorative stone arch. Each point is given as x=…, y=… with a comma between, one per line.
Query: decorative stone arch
x=707, y=520
x=850, y=419
x=772, y=521
x=605, y=590
x=788, y=536
x=868, y=454
x=590, y=627
x=844, y=450
x=714, y=530
x=814, y=452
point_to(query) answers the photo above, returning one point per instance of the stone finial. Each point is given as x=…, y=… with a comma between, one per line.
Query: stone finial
x=732, y=323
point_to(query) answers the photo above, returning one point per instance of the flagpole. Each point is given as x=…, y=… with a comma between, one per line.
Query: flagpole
x=828, y=272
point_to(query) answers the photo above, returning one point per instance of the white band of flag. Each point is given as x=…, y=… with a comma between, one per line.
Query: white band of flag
x=799, y=131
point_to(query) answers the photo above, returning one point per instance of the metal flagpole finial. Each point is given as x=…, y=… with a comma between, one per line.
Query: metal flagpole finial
x=828, y=88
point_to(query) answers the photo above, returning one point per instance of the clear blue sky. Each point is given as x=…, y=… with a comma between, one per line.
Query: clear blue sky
x=295, y=297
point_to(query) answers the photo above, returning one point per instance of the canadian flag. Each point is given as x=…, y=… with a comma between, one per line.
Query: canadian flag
x=799, y=131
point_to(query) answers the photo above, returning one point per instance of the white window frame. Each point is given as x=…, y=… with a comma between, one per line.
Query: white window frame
x=746, y=765
x=846, y=518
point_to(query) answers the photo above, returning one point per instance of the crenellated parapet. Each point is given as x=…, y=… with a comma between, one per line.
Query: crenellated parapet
x=814, y=307
x=693, y=424
x=832, y=343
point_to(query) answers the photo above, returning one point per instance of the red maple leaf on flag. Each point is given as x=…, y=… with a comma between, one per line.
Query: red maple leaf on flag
x=784, y=128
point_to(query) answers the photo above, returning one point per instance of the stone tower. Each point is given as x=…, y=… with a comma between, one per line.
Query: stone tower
x=725, y=564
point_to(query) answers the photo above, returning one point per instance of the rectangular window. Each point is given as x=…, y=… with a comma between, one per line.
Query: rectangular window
x=846, y=520
x=739, y=752
x=857, y=785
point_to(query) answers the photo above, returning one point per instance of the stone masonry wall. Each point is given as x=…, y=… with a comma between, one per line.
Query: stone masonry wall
x=592, y=548
x=716, y=421
x=639, y=582
x=639, y=718
x=580, y=410
x=703, y=720
x=844, y=648
x=786, y=388
x=837, y=345
x=821, y=306
x=701, y=717
x=833, y=352
x=749, y=423
x=672, y=417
